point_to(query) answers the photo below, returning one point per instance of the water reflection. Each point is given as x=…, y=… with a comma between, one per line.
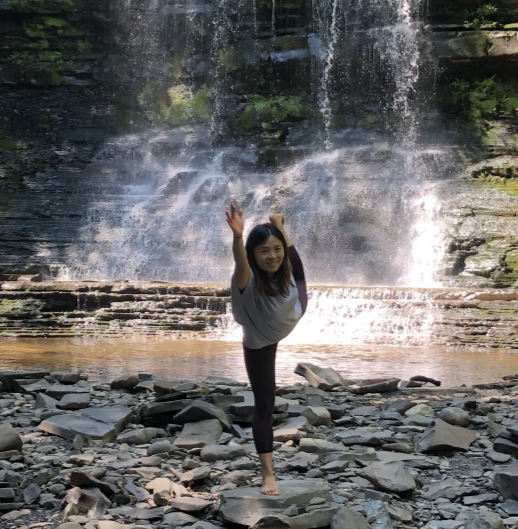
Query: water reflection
x=189, y=359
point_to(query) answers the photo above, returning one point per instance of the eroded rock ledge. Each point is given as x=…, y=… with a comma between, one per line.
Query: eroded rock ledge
x=459, y=317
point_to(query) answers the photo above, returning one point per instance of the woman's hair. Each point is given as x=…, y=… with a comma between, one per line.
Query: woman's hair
x=280, y=283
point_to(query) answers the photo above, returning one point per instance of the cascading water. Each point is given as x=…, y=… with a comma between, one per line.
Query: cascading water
x=362, y=204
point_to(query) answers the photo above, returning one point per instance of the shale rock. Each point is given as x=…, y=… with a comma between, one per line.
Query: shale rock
x=347, y=518
x=221, y=452
x=9, y=438
x=125, y=382
x=200, y=410
x=441, y=436
x=393, y=476
x=378, y=385
x=323, y=378
x=506, y=481
x=454, y=416
x=199, y=434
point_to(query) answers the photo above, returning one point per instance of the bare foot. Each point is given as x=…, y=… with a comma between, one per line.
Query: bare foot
x=277, y=218
x=270, y=486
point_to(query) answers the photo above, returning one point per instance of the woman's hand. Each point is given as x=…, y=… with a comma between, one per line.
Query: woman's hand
x=235, y=220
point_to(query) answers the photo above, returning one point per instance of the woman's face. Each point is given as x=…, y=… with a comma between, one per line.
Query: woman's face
x=269, y=255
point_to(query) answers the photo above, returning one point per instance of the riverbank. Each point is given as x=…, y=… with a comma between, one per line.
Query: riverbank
x=143, y=452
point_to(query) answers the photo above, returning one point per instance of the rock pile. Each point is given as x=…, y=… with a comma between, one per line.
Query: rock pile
x=141, y=453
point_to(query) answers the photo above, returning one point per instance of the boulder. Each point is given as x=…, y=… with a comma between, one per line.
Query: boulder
x=420, y=409
x=74, y=401
x=441, y=436
x=322, y=378
x=9, y=438
x=200, y=410
x=137, y=437
x=505, y=480
x=454, y=416
x=101, y=424
x=125, y=382
x=393, y=476
x=246, y=506
x=317, y=416
x=160, y=447
x=199, y=434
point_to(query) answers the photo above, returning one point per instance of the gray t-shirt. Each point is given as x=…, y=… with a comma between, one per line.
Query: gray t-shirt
x=265, y=319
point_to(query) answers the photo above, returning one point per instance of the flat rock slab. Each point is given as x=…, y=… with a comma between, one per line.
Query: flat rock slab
x=393, y=476
x=199, y=434
x=443, y=436
x=84, y=424
x=7, y=377
x=247, y=506
x=200, y=410
x=318, y=377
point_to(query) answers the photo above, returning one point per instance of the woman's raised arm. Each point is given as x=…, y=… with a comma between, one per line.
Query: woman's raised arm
x=242, y=268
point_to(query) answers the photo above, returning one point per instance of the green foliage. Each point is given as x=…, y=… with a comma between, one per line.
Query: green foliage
x=42, y=6
x=275, y=109
x=7, y=145
x=490, y=96
x=179, y=106
x=484, y=14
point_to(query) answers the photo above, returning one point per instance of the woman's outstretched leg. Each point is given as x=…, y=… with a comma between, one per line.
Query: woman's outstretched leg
x=260, y=366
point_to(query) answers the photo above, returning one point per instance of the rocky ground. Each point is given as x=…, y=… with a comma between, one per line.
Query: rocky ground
x=143, y=453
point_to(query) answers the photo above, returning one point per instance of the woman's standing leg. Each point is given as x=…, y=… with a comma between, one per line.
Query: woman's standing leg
x=260, y=366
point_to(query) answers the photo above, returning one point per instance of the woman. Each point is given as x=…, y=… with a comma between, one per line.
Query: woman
x=268, y=299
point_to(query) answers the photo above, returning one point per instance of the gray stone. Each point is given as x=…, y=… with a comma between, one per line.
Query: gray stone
x=322, y=378
x=393, y=476
x=454, y=416
x=417, y=420
x=498, y=457
x=444, y=524
x=44, y=401
x=480, y=519
x=6, y=494
x=74, y=401
x=31, y=387
x=125, y=382
x=91, y=500
x=7, y=377
x=379, y=385
x=118, y=416
x=377, y=515
x=443, y=436
x=68, y=426
x=179, y=519
x=319, y=446
x=200, y=410
x=449, y=488
x=505, y=446
x=221, y=452
x=31, y=493
x=222, y=381
x=420, y=409
x=399, y=514
x=9, y=438
x=139, y=493
x=161, y=447
x=404, y=448
x=58, y=391
x=66, y=377
x=505, y=480
x=137, y=437
x=186, y=504
x=347, y=518
x=478, y=499
x=83, y=480
x=195, y=474
x=199, y=434
x=317, y=416
x=510, y=507
x=400, y=406
x=292, y=430
x=224, y=402
x=247, y=506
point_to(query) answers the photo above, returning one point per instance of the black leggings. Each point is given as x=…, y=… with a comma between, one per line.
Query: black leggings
x=260, y=366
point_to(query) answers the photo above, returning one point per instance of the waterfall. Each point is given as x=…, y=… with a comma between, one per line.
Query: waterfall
x=361, y=192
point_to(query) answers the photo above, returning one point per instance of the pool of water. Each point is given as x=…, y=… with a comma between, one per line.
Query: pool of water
x=189, y=359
